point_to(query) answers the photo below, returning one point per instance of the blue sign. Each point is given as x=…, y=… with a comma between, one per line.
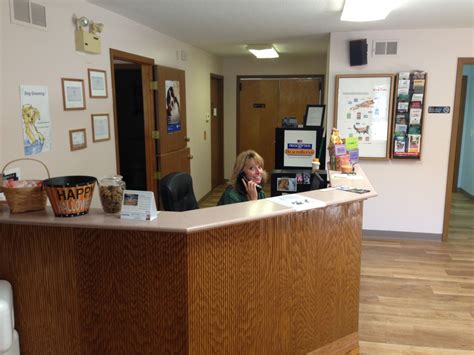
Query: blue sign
x=439, y=109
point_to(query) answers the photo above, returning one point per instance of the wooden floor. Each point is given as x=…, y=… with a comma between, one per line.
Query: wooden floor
x=417, y=297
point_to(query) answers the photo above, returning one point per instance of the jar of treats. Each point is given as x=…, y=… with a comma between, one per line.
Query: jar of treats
x=111, y=189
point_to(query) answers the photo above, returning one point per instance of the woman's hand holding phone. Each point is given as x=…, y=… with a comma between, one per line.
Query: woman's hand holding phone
x=250, y=188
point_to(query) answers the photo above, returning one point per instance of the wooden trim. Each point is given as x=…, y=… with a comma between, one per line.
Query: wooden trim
x=322, y=78
x=453, y=144
x=341, y=346
x=220, y=89
x=460, y=130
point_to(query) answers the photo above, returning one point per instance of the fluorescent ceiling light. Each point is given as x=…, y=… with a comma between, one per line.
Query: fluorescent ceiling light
x=263, y=51
x=366, y=10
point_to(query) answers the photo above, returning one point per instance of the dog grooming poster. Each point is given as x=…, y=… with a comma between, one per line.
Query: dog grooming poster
x=36, y=119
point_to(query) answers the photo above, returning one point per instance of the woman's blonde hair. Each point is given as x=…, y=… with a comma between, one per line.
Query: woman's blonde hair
x=241, y=161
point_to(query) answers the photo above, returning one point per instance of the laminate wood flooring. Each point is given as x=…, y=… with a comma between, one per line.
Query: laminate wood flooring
x=417, y=296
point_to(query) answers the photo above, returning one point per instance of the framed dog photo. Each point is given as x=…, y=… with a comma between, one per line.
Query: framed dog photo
x=97, y=83
x=100, y=127
x=77, y=139
x=73, y=94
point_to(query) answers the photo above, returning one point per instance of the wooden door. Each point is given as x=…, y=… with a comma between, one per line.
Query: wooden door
x=258, y=118
x=217, y=131
x=171, y=146
x=295, y=94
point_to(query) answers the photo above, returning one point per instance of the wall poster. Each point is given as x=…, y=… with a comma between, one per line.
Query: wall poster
x=172, y=106
x=35, y=118
x=363, y=109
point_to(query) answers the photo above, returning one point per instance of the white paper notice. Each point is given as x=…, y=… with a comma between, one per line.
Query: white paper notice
x=297, y=202
x=138, y=205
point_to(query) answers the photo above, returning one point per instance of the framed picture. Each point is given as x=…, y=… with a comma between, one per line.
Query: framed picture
x=314, y=116
x=97, y=83
x=77, y=139
x=100, y=127
x=363, y=109
x=73, y=94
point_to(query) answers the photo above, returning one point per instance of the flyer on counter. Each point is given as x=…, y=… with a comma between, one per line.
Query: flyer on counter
x=139, y=205
x=297, y=202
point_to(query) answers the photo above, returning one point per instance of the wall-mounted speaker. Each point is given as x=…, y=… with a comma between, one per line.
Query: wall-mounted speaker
x=358, y=52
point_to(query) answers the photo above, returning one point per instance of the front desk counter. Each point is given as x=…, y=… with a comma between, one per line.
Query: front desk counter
x=251, y=278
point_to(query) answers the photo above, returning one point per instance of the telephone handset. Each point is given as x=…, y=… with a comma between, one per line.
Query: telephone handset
x=242, y=176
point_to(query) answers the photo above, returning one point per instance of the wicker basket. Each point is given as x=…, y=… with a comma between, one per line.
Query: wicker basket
x=25, y=199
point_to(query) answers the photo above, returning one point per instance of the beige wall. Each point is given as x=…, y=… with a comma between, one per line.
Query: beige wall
x=411, y=193
x=250, y=66
x=34, y=57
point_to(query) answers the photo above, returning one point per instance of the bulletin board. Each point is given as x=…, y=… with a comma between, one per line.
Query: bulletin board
x=363, y=109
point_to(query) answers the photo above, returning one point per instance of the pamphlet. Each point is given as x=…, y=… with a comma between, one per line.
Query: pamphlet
x=139, y=205
x=352, y=189
x=297, y=202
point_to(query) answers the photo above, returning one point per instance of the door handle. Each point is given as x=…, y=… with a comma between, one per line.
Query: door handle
x=187, y=139
x=190, y=157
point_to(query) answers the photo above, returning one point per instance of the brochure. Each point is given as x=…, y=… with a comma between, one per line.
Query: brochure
x=139, y=205
x=415, y=116
x=402, y=106
x=399, y=145
x=414, y=143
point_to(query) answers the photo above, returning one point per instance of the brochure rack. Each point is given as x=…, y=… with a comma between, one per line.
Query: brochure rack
x=407, y=125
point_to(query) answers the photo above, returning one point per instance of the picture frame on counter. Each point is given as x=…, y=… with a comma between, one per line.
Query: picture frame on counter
x=73, y=94
x=97, y=83
x=77, y=139
x=314, y=115
x=100, y=127
x=363, y=109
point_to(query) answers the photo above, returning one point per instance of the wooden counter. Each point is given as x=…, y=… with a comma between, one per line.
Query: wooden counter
x=251, y=278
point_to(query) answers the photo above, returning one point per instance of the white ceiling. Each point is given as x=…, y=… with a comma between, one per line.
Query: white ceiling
x=224, y=27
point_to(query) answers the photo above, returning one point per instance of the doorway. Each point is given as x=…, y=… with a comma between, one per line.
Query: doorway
x=134, y=120
x=263, y=101
x=217, y=130
x=456, y=138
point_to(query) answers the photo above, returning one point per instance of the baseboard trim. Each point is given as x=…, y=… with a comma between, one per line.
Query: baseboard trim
x=375, y=234
x=465, y=193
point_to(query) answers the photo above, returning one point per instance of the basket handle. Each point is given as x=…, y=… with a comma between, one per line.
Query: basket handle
x=12, y=161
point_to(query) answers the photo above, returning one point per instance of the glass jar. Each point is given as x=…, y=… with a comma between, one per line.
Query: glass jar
x=111, y=189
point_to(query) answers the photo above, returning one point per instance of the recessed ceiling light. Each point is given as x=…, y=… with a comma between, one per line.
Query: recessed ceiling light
x=366, y=10
x=263, y=51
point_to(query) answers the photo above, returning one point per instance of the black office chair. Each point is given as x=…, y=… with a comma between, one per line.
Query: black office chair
x=176, y=192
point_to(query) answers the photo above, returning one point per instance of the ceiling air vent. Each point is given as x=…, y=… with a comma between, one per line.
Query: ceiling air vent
x=384, y=48
x=28, y=13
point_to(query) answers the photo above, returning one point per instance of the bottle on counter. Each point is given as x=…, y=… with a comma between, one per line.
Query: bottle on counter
x=111, y=189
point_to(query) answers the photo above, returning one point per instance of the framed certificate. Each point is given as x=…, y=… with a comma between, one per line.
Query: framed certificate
x=314, y=116
x=73, y=94
x=100, y=127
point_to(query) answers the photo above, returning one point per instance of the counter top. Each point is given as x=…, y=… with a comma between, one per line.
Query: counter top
x=197, y=220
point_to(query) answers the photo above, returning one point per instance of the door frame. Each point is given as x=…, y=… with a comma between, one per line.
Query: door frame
x=321, y=77
x=148, y=112
x=220, y=89
x=455, y=129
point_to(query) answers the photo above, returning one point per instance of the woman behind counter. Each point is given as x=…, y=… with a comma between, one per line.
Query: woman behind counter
x=246, y=181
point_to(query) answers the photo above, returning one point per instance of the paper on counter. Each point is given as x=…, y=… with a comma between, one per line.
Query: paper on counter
x=347, y=176
x=297, y=202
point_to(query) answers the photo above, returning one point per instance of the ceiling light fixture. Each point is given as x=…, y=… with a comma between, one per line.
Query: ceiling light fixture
x=366, y=10
x=263, y=51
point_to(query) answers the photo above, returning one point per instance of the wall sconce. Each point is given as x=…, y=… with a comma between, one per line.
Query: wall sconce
x=87, y=39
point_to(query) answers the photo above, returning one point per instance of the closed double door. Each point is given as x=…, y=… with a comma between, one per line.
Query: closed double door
x=264, y=102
